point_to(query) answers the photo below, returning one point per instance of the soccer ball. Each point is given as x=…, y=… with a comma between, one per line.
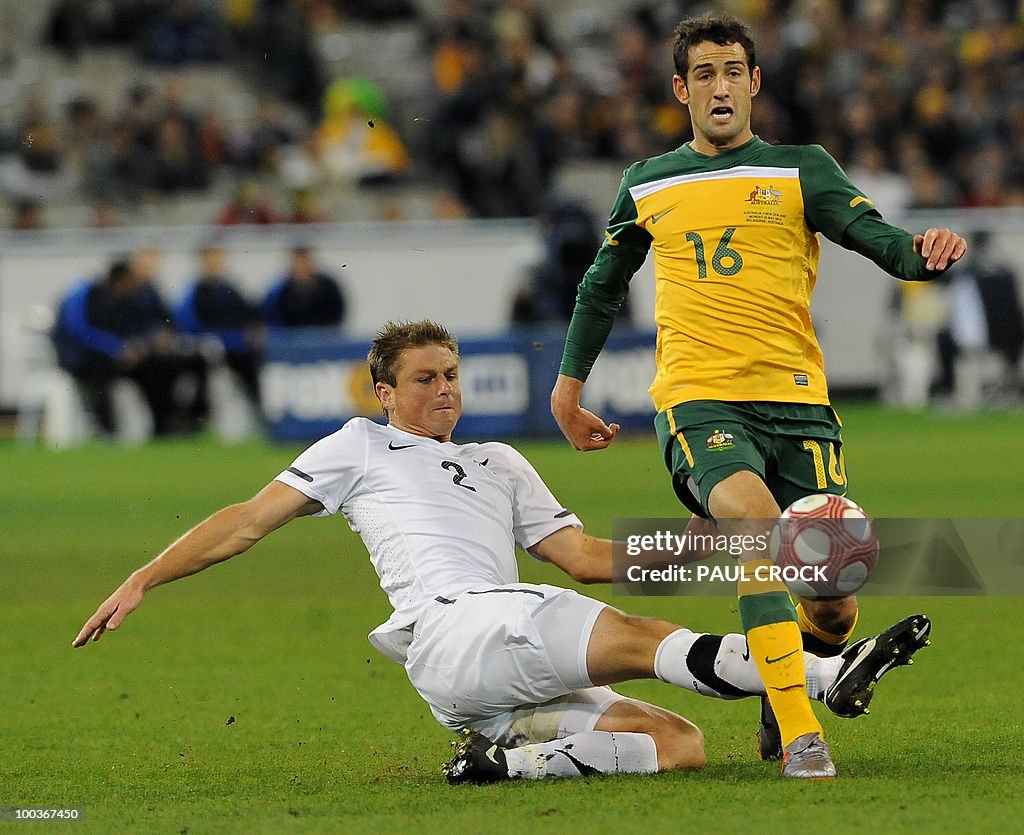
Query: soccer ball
x=825, y=545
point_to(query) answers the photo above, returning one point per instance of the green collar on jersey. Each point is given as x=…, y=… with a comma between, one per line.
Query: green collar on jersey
x=730, y=157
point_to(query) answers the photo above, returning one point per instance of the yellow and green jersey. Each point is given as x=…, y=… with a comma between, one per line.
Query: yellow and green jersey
x=735, y=246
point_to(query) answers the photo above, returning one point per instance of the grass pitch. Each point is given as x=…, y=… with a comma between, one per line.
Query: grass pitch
x=246, y=699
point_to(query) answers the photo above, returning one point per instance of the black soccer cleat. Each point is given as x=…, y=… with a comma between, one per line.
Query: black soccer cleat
x=477, y=760
x=866, y=661
x=769, y=737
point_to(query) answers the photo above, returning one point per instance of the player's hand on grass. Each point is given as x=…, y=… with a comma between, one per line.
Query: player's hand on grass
x=941, y=247
x=111, y=613
x=583, y=429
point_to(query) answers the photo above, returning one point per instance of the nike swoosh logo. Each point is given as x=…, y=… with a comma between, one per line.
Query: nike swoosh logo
x=852, y=665
x=484, y=462
x=406, y=446
x=656, y=218
x=584, y=769
x=858, y=200
x=610, y=239
x=768, y=660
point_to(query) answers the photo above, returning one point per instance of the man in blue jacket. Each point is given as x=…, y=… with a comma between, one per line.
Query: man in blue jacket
x=305, y=297
x=119, y=327
x=213, y=306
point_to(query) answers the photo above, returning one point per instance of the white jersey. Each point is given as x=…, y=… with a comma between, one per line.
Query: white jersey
x=437, y=518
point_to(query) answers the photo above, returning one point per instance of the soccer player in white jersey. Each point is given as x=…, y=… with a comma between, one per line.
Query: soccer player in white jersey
x=520, y=669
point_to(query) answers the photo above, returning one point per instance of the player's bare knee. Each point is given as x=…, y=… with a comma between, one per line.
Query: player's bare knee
x=647, y=629
x=638, y=635
x=835, y=615
x=739, y=497
x=680, y=745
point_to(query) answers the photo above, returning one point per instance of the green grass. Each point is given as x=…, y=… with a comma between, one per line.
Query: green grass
x=328, y=736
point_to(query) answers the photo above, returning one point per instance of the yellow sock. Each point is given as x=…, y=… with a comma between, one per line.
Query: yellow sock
x=817, y=640
x=774, y=641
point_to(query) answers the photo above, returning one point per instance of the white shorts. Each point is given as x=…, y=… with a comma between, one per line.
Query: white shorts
x=509, y=662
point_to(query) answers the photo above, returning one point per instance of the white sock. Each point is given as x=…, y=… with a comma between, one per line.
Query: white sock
x=821, y=672
x=590, y=752
x=711, y=665
x=720, y=666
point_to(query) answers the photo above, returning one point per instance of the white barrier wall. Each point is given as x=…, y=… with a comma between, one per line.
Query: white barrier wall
x=461, y=273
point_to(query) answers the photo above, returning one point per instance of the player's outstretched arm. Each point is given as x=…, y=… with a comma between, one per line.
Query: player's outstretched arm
x=583, y=429
x=227, y=533
x=586, y=559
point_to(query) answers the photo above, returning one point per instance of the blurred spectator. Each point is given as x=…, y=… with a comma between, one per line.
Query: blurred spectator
x=174, y=100
x=182, y=32
x=212, y=306
x=447, y=206
x=104, y=216
x=377, y=11
x=27, y=214
x=298, y=165
x=985, y=314
x=188, y=143
x=890, y=191
x=354, y=142
x=42, y=147
x=931, y=190
x=39, y=168
x=128, y=173
x=282, y=55
x=248, y=206
x=304, y=207
x=142, y=116
x=571, y=239
x=89, y=145
x=179, y=167
x=118, y=22
x=211, y=141
x=306, y=296
x=118, y=326
x=68, y=27
x=988, y=176
x=491, y=136
x=933, y=117
x=257, y=147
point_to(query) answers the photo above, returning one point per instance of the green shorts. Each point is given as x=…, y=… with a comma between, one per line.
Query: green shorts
x=796, y=448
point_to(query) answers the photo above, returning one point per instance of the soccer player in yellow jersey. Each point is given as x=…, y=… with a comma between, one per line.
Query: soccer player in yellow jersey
x=743, y=411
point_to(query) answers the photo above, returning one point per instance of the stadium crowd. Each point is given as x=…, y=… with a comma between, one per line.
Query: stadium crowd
x=920, y=101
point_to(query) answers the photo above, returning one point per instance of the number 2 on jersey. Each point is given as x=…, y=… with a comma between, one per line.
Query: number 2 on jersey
x=723, y=252
x=460, y=474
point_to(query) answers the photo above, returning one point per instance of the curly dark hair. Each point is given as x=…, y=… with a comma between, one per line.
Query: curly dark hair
x=718, y=27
